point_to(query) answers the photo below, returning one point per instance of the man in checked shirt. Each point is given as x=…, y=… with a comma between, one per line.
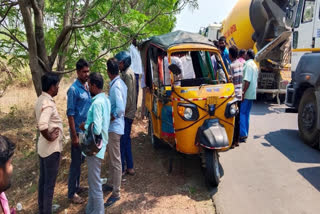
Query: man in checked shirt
x=236, y=70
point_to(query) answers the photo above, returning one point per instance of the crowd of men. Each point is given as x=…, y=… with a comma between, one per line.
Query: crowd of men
x=88, y=108
x=243, y=72
x=110, y=117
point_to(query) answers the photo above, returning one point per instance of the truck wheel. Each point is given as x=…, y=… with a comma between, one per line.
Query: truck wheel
x=307, y=118
x=212, y=168
x=154, y=140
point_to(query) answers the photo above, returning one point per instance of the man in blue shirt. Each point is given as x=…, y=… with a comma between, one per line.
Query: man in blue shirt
x=224, y=52
x=99, y=115
x=78, y=103
x=118, y=98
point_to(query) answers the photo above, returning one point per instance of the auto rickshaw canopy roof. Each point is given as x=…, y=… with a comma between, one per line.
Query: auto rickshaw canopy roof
x=176, y=38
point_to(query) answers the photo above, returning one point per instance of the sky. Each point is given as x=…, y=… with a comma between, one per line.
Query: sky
x=209, y=11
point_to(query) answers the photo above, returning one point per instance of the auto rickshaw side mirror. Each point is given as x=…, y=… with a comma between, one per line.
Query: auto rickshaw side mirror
x=174, y=69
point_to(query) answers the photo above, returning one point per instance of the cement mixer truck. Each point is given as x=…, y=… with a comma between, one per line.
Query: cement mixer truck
x=257, y=24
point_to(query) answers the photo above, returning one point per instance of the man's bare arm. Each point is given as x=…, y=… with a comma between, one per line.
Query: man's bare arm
x=74, y=136
x=245, y=88
x=50, y=136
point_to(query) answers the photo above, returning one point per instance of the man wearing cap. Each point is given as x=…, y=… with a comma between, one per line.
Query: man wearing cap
x=128, y=78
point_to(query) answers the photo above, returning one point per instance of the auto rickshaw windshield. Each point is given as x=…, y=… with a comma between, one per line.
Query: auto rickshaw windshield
x=196, y=68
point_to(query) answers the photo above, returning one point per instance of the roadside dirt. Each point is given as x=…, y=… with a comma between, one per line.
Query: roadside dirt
x=151, y=190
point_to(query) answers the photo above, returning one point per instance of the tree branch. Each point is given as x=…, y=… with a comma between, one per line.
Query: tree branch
x=98, y=20
x=67, y=28
x=7, y=11
x=7, y=3
x=83, y=12
x=35, y=7
x=58, y=43
x=111, y=49
x=38, y=7
x=118, y=30
x=114, y=28
x=14, y=38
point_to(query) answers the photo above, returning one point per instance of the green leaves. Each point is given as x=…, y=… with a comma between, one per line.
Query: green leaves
x=122, y=20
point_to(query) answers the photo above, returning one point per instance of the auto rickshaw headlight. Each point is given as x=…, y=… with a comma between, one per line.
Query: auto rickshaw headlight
x=188, y=112
x=231, y=109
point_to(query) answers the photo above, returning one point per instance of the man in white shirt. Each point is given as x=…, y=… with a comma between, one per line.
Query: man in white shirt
x=187, y=67
x=174, y=60
x=136, y=64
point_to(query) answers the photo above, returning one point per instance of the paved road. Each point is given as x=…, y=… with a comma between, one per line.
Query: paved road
x=274, y=172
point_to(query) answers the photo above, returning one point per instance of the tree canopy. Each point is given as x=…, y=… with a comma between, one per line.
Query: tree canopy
x=51, y=35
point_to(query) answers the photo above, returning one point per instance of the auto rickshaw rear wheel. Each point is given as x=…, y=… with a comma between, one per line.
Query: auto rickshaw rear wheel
x=212, y=168
x=154, y=140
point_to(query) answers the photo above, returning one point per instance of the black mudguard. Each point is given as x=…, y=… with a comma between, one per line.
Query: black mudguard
x=212, y=135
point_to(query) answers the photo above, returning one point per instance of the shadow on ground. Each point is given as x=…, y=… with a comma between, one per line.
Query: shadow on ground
x=312, y=175
x=288, y=143
x=261, y=108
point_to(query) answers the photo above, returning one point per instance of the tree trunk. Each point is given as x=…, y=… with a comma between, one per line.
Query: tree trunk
x=62, y=58
x=36, y=69
x=36, y=79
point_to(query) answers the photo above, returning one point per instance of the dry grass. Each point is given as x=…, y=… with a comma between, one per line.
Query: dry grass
x=151, y=190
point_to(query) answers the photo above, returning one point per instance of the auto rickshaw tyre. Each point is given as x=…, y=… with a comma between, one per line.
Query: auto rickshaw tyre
x=213, y=169
x=307, y=118
x=155, y=142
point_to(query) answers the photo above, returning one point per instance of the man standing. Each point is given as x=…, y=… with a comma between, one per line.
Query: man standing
x=250, y=78
x=78, y=103
x=99, y=115
x=118, y=98
x=49, y=145
x=136, y=64
x=224, y=52
x=6, y=168
x=236, y=70
x=128, y=78
x=242, y=55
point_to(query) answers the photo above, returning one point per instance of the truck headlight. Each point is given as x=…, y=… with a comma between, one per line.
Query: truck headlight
x=231, y=109
x=188, y=112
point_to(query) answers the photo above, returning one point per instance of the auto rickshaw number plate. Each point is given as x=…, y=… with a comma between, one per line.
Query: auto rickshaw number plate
x=212, y=100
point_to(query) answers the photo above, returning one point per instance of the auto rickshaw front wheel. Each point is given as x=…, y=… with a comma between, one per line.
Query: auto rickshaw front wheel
x=154, y=140
x=212, y=167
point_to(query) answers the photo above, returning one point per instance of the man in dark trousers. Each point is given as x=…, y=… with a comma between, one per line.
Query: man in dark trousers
x=49, y=146
x=78, y=104
x=236, y=71
x=128, y=78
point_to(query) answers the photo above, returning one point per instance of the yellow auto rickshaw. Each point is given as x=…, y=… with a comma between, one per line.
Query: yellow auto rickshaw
x=189, y=98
